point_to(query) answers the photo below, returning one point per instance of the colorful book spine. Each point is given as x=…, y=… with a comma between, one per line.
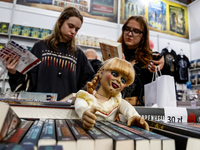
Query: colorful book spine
x=176, y=129
x=102, y=141
x=48, y=135
x=17, y=134
x=51, y=147
x=81, y=136
x=118, y=138
x=19, y=147
x=140, y=142
x=64, y=135
x=33, y=134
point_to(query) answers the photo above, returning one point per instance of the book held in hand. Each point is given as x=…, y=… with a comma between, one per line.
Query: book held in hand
x=8, y=120
x=26, y=59
x=110, y=49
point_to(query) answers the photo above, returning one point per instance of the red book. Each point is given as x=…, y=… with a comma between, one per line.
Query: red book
x=17, y=134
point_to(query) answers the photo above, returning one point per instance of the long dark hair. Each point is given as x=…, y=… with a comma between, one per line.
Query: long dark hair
x=143, y=52
x=54, y=38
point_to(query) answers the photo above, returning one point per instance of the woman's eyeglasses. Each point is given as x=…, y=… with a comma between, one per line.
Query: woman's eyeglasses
x=134, y=32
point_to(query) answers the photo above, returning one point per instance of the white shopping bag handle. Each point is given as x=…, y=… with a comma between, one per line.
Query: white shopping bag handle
x=155, y=74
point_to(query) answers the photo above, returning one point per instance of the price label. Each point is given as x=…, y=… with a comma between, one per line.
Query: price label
x=175, y=114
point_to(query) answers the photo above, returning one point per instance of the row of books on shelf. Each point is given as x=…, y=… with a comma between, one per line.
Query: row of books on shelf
x=30, y=31
x=195, y=79
x=194, y=64
x=87, y=40
x=107, y=135
x=24, y=46
x=80, y=6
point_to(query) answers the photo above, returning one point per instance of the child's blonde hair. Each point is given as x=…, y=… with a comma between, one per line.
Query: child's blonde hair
x=119, y=65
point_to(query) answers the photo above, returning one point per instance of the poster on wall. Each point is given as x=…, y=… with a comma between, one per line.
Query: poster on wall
x=130, y=8
x=178, y=21
x=98, y=9
x=157, y=15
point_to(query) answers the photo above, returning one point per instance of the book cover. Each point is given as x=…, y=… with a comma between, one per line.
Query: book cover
x=16, y=29
x=64, y=135
x=26, y=59
x=4, y=27
x=139, y=142
x=24, y=102
x=38, y=96
x=119, y=140
x=18, y=133
x=84, y=141
x=8, y=120
x=198, y=63
x=35, y=32
x=192, y=64
x=182, y=142
x=48, y=134
x=44, y=33
x=154, y=141
x=101, y=140
x=188, y=125
x=33, y=134
x=51, y=147
x=110, y=49
x=193, y=79
x=19, y=147
x=176, y=129
x=3, y=146
x=26, y=31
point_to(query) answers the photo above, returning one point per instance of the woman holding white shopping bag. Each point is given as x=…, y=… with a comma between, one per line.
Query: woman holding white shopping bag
x=136, y=49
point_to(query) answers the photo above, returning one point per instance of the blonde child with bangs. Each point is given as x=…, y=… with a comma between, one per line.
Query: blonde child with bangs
x=107, y=102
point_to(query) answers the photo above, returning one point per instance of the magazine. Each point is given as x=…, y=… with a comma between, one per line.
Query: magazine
x=26, y=59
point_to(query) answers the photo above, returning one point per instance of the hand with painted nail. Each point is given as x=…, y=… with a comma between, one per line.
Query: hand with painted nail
x=11, y=63
x=159, y=63
x=151, y=66
x=89, y=118
x=138, y=121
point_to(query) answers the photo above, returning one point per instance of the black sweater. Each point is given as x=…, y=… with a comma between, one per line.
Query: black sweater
x=74, y=71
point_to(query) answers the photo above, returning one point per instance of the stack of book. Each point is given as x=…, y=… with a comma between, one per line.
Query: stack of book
x=107, y=135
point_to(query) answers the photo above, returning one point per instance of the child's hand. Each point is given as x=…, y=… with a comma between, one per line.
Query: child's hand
x=138, y=121
x=88, y=118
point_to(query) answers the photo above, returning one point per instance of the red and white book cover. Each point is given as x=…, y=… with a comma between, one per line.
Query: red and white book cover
x=26, y=59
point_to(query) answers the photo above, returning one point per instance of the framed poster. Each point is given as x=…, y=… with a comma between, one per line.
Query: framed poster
x=130, y=8
x=157, y=15
x=178, y=21
x=106, y=10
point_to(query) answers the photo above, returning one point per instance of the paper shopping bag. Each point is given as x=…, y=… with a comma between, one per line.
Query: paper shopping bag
x=161, y=92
